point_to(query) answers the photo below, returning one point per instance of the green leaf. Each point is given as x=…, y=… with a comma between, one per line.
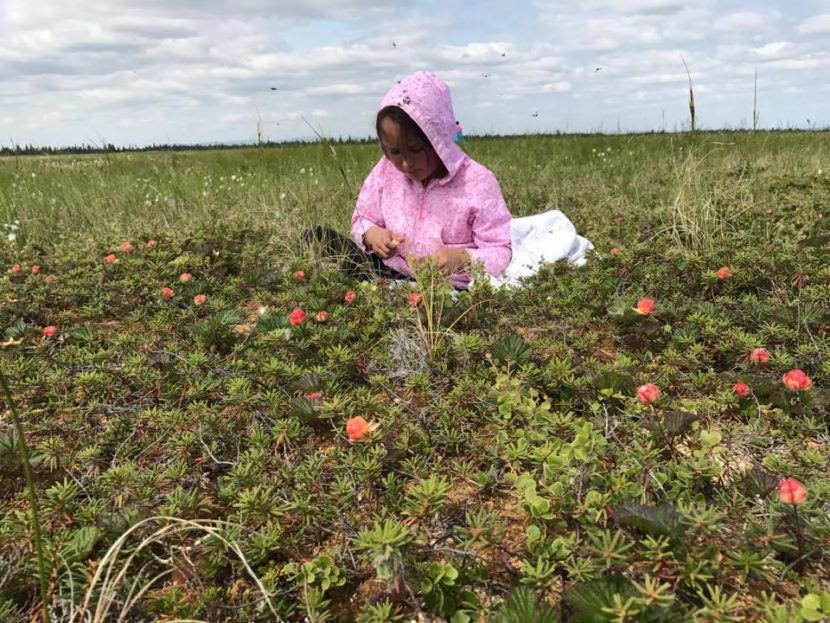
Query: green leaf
x=271, y=322
x=772, y=392
x=80, y=545
x=82, y=336
x=676, y=423
x=512, y=349
x=815, y=607
x=710, y=439
x=461, y=617
x=654, y=520
x=587, y=599
x=811, y=607
x=758, y=481
x=533, y=537
x=16, y=330
x=673, y=423
x=522, y=606
x=617, y=381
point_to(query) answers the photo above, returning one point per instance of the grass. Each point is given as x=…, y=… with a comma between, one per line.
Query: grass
x=192, y=462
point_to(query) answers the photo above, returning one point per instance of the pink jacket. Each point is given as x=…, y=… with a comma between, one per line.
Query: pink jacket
x=463, y=209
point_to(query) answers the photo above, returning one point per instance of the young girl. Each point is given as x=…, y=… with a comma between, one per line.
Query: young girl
x=426, y=197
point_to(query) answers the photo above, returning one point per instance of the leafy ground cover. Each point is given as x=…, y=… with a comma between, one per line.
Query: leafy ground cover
x=225, y=428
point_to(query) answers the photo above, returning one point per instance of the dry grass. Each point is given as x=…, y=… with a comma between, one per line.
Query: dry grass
x=105, y=600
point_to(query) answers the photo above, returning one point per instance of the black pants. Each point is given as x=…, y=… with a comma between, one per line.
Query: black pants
x=352, y=259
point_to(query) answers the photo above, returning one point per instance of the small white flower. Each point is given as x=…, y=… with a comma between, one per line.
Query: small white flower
x=12, y=237
x=302, y=171
x=33, y=174
x=282, y=195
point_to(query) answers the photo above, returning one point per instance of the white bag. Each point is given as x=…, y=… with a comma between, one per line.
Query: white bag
x=540, y=238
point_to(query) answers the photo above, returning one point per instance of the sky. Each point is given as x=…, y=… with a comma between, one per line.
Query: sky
x=133, y=73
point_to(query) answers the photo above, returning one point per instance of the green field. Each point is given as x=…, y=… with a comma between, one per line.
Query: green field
x=191, y=461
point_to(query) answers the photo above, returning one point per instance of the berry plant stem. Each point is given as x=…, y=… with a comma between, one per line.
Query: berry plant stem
x=30, y=485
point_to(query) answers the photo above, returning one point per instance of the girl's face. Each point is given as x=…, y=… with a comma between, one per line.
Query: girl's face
x=407, y=152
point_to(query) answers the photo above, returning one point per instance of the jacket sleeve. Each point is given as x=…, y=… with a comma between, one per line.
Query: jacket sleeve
x=491, y=228
x=367, y=211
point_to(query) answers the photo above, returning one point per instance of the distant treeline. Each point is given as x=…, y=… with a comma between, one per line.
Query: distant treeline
x=109, y=148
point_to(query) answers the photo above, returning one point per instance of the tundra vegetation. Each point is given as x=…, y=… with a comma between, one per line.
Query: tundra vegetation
x=222, y=426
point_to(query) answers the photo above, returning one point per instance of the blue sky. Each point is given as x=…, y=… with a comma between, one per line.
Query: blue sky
x=200, y=71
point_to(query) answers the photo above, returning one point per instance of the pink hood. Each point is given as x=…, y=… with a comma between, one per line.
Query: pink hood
x=464, y=209
x=426, y=99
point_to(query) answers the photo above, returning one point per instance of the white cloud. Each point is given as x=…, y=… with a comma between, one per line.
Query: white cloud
x=658, y=7
x=774, y=50
x=600, y=28
x=628, y=7
x=155, y=28
x=658, y=78
x=806, y=62
x=343, y=88
x=815, y=24
x=300, y=114
x=26, y=13
x=190, y=49
x=611, y=34
x=475, y=52
x=231, y=72
x=560, y=86
x=740, y=21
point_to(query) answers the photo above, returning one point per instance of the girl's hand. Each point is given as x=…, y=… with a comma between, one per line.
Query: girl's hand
x=450, y=260
x=382, y=242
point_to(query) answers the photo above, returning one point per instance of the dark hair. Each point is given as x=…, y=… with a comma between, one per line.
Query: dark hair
x=408, y=128
x=406, y=122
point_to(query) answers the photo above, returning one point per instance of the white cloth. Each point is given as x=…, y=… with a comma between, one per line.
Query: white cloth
x=541, y=238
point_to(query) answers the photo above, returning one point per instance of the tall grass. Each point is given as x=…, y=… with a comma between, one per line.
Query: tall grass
x=85, y=199
x=704, y=213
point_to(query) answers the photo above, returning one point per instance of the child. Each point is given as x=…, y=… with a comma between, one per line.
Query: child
x=426, y=197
